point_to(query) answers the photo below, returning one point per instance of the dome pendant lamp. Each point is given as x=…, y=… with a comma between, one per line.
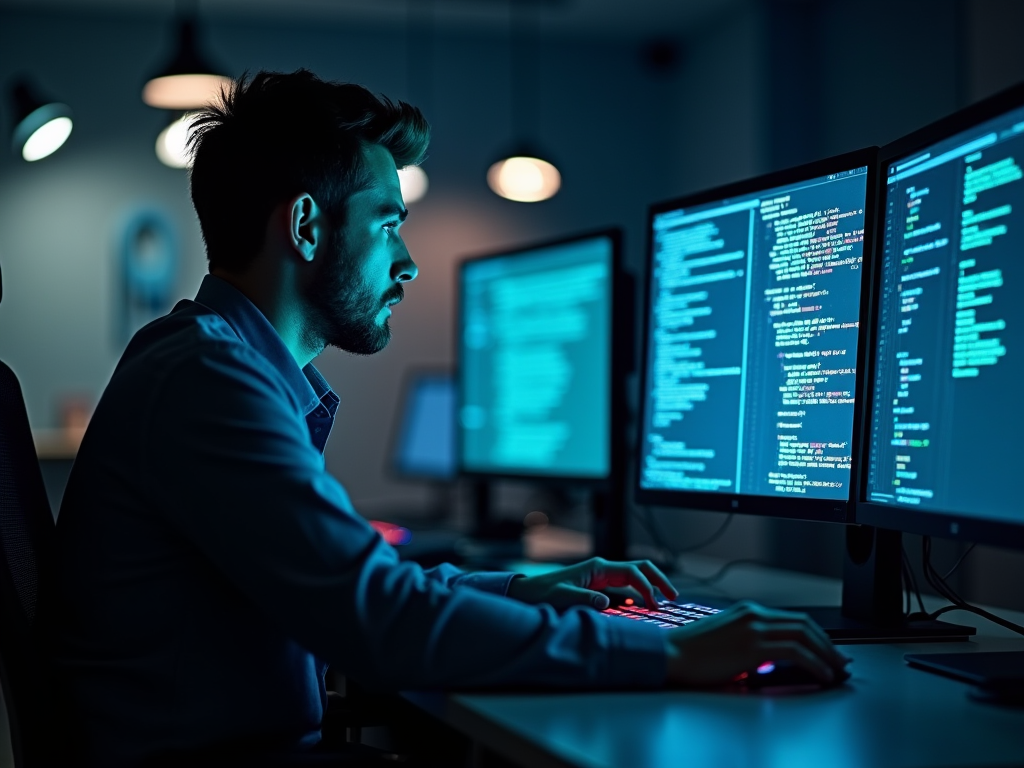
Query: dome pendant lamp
x=525, y=174
x=188, y=81
x=40, y=126
x=172, y=143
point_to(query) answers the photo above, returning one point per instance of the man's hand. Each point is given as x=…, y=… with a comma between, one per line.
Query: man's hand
x=714, y=650
x=577, y=584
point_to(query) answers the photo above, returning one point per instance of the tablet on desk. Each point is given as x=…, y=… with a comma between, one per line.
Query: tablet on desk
x=977, y=668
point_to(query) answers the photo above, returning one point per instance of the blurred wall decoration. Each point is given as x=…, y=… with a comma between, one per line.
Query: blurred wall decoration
x=148, y=254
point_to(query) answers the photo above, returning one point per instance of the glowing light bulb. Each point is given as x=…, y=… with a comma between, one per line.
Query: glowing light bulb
x=47, y=139
x=524, y=179
x=184, y=91
x=414, y=183
x=172, y=143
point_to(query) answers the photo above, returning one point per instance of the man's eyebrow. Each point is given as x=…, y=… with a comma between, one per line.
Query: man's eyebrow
x=390, y=209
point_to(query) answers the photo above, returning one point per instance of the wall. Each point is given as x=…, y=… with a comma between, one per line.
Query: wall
x=996, y=61
x=768, y=84
x=601, y=118
x=59, y=217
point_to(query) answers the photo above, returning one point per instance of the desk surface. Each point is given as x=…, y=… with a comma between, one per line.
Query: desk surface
x=888, y=714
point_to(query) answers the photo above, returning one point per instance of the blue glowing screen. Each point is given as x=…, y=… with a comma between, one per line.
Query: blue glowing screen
x=752, y=349
x=426, y=437
x=947, y=417
x=535, y=361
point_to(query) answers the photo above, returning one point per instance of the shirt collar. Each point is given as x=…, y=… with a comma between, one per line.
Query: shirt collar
x=307, y=385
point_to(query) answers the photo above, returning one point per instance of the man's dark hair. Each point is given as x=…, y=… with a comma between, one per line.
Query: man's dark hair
x=276, y=135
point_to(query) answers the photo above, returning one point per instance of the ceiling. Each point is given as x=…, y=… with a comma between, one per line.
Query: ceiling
x=623, y=19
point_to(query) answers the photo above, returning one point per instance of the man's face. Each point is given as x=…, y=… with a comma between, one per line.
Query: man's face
x=366, y=264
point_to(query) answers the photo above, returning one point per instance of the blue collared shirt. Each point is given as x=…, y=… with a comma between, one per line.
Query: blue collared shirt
x=208, y=567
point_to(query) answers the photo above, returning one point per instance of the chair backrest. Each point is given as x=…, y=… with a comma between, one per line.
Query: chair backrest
x=26, y=536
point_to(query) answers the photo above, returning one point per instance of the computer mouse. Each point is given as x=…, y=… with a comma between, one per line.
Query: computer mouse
x=784, y=674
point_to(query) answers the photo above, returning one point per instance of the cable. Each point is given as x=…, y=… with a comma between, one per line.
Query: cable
x=956, y=565
x=646, y=521
x=939, y=584
x=911, y=579
x=712, y=538
x=946, y=609
x=980, y=612
x=653, y=530
x=932, y=576
x=905, y=584
x=717, y=575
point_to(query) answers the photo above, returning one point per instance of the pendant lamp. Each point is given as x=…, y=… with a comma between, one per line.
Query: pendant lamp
x=41, y=126
x=525, y=174
x=188, y=81
x=172, y=142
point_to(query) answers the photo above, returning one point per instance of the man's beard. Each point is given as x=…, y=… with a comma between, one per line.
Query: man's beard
x=346, y=308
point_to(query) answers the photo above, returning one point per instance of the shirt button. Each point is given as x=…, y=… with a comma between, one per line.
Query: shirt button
x=317, y=429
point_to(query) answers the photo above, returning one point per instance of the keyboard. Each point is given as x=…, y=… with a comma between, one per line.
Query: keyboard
x=667, y=615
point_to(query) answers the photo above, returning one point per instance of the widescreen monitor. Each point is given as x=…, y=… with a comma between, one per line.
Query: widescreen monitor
x=752, y=342
x=424, y=445
x=944, y=405
x=536, y=360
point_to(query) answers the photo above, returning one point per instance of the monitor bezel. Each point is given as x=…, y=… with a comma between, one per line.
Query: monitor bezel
x=618, y=361
x=825, y=510
x=951, y=525
x=409, y=378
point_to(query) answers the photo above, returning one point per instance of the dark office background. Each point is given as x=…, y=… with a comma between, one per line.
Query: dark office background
x=636, y=102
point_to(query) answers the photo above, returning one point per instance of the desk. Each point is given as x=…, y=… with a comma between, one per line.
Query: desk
x=888, y=714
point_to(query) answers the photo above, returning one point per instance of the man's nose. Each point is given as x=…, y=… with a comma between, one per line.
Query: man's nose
x=404, y=268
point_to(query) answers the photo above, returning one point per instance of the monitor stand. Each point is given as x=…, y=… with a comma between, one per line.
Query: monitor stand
x=439, y=509
x=608, y=522
x=492, y=540
x=872, y=609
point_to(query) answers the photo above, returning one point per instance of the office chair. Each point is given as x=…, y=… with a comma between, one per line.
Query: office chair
x=26, y=531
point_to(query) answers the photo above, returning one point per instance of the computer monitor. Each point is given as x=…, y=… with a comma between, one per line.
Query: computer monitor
x=424, y=445
x=943, y=405
x=537, y=361
x=751, y=343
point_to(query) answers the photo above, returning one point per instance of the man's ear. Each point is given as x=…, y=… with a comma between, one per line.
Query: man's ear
x=306, y=226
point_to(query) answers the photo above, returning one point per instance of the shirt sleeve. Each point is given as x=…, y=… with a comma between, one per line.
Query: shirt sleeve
x=494, y=582
x=235, y=474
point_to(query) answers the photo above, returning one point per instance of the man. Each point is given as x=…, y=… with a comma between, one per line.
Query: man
x=209, y=567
